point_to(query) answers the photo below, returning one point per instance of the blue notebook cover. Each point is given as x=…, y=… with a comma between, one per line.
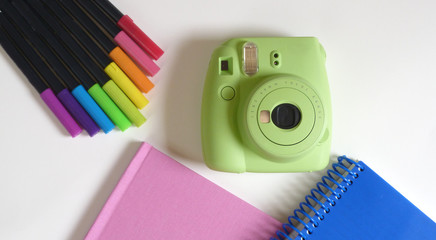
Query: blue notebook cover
x=353, y=202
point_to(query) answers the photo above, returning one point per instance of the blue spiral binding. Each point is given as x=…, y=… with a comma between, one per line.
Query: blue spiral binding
x=313, y=199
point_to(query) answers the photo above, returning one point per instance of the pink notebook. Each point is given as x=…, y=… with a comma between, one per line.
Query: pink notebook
x=159, y=198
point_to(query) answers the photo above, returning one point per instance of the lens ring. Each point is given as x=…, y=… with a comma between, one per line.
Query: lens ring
x=276, y=143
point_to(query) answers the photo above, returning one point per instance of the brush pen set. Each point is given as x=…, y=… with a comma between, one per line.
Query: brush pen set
x=87, y=60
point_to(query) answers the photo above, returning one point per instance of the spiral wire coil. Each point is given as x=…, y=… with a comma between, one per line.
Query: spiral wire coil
x=308, y=215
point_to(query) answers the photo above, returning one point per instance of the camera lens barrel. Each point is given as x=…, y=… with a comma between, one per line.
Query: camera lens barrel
x=286, y=116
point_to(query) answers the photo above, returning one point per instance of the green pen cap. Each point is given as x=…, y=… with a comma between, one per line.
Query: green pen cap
x=109, y=107
x=124, y=103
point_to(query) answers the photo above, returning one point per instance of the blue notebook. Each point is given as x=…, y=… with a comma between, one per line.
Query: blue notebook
x=353, y=202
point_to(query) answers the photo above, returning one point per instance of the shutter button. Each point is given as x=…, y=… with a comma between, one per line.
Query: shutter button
x=228, y=93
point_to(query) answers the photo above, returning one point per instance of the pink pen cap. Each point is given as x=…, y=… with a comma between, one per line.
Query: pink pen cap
x=120, y=37
x=135, y=52
x=127, y=24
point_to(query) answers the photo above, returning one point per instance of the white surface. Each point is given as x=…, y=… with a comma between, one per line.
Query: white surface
x=381, y=67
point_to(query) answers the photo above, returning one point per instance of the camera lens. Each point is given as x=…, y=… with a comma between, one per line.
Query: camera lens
x=286, y=116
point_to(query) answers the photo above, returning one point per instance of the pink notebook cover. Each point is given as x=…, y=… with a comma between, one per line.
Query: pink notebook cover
x=159, y=198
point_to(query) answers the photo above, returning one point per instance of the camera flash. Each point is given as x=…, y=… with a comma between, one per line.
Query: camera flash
x=265, y=116
x=250, y=61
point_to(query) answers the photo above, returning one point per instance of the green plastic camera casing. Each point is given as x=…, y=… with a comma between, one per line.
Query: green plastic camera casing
x=290, y=71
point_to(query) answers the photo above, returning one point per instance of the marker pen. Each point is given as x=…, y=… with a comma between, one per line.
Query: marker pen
x=76, y=89
x=127, y=24
x=120, y=37
x=115, y=52
x=100, y=96
x=94, y=110
x=111, y=69
x=62, y=93
x=45, y=93
x=117, y=74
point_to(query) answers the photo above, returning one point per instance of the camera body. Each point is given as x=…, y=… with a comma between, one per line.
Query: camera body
x=266, y=106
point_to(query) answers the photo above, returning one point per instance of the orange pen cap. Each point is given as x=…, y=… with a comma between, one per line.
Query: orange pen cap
x=129, y=67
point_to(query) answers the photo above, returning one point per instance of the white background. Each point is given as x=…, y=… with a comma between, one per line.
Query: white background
x=381, y=68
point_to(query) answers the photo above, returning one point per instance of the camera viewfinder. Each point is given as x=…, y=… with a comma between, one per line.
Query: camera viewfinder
x=224, y=65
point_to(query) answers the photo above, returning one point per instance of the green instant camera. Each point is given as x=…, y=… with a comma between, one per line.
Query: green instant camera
x=266, y=106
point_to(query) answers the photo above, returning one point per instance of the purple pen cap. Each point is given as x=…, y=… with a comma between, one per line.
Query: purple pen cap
x=78, y=112
x=60, y=112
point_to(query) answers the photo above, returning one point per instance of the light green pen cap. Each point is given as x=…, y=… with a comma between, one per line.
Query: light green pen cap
x=124, y=103
x=109, y=107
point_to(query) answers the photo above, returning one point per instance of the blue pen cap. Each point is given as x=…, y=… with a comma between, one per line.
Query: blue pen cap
x=93, y=109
